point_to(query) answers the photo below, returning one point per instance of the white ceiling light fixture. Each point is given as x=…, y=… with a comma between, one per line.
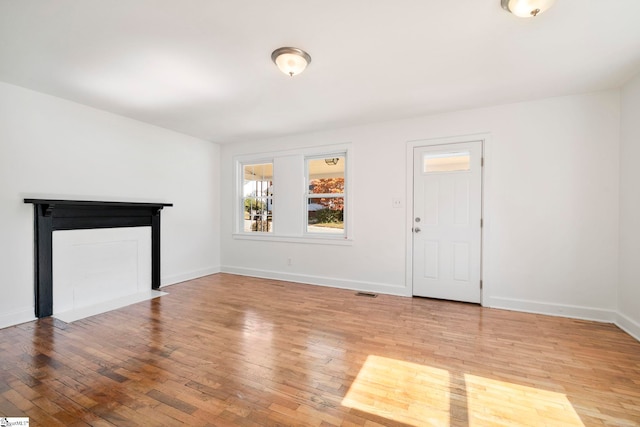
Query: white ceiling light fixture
x=291, y=60
x=526, y=8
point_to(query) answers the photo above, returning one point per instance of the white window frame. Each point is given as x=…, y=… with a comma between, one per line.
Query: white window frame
x=299, y=235
x=240, y=195
x=308, y=195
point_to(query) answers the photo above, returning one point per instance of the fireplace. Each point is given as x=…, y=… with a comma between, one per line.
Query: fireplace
x=53, y=215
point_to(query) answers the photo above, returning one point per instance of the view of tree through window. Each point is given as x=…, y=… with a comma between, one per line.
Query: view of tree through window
x=257, y=197
x=325, y=197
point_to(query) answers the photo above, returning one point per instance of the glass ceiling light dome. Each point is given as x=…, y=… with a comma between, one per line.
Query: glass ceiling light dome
x=291, y=60
x=526, y=8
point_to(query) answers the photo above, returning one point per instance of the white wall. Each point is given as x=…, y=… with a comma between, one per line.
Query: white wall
x=629, y=295
x=53, y=148
x=551, y=223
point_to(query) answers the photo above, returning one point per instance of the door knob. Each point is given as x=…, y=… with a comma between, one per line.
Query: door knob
x=416, y=229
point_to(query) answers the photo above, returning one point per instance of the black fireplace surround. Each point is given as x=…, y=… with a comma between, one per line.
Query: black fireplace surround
x=52, y=215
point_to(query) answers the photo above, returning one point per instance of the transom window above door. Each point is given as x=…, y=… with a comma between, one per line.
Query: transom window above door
x=446, y=162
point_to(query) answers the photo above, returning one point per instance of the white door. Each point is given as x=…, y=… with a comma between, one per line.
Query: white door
x=447, y=229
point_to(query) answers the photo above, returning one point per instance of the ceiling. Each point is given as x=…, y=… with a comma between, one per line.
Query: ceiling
x=203, y=67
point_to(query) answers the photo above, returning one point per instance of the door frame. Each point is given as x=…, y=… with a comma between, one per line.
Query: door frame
x=485, y=291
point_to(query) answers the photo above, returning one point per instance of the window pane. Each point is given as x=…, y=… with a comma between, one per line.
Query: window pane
x=258, y=179
x=326, y=176
x=258, y=215
x=257, y=197
x=325, y=201
x=449, y=162
x=325, y=215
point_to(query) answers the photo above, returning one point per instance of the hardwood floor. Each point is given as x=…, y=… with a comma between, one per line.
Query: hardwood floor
x=228, y=350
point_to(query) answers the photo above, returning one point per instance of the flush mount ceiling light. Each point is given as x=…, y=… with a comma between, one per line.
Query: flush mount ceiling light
x=526, y=8
x=291, y=60
x=332, y=162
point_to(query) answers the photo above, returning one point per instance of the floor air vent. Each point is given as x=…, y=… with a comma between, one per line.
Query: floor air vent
x=366, y=294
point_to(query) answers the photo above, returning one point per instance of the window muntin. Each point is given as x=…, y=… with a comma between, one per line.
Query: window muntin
x=446, y=162
x=257, y=197
x=325, y=195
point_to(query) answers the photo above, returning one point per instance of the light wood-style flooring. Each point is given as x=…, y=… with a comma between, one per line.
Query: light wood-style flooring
x=229, y=350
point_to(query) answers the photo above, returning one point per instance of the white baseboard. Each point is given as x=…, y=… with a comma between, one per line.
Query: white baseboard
x=357, y=285
x=552, y=309
x=17, y=317
x=628, y=325
x=183, y=277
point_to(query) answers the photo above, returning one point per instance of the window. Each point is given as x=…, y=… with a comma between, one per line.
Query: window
x=257, y=197
x=311, y=197
x=325, y=195
x=447, y=162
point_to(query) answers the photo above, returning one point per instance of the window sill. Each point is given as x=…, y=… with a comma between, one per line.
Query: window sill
x=319, y=240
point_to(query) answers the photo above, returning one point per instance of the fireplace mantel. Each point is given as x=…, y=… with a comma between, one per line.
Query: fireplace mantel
x=51, y=215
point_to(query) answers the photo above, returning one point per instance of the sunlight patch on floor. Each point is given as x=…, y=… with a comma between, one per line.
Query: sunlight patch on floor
x=419, y=395
x=413, y=394
x=491, y=401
